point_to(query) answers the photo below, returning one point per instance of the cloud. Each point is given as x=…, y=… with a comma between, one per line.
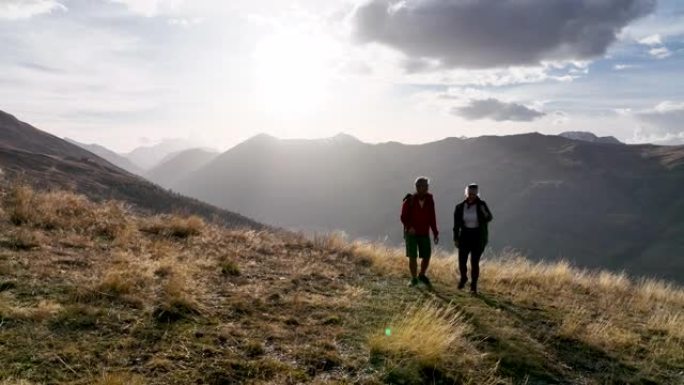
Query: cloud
x=656, y=47
x=622, y=67
x=150, y=8
x=496, y=33
x=559, y=118
x=185, y=22
x=25, y=9
x=653, y=40
x=660, y=52
x=497, y=110
x=664, y=120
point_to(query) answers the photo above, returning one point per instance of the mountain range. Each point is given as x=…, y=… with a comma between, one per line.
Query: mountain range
x=589, y=137
x=29, y=155
x=595, y=204
x=147, y=157
x=170, y=170
x=110, y=156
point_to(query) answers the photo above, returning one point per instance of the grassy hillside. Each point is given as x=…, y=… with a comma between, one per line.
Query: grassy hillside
x=93, y=294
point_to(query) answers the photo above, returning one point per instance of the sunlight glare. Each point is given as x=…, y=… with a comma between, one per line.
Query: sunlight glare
x=291, y=72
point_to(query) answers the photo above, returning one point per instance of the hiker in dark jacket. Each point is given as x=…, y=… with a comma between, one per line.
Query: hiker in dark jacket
x=471, y=234
x=418, y=217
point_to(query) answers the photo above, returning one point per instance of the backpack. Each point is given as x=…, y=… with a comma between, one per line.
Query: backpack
x=407, y=198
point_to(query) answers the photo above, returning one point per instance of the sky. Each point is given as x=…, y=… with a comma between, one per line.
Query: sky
x=126, y=73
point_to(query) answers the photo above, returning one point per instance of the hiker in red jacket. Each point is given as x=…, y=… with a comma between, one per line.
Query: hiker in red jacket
x=418, y=217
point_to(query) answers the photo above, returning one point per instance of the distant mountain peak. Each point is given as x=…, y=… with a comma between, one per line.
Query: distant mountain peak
x=262, y=137
x=587, y=136
x=345, y=138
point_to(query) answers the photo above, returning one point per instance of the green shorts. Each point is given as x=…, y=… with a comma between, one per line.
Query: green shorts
x=418, y=246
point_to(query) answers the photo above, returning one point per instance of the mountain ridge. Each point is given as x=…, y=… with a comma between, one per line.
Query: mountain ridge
x=46, y=161
x=538, y=186
x=109, y=155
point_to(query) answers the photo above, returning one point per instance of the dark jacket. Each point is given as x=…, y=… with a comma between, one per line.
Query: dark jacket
x=484, y=216
x=422, y=219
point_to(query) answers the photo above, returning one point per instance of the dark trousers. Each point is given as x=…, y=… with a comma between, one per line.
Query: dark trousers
x=470, y=243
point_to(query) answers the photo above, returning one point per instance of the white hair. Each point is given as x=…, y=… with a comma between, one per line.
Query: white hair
x=473, y=186
x=422, y=178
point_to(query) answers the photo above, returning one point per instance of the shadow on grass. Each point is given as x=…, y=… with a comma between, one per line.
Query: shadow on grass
x=543, y=358
x=569, y=354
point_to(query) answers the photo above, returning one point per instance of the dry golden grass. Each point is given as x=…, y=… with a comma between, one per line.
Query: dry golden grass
x=429, y=343
x=608, y=311
x=119, y=379
x=177, y=300
x=383, y=259
x=335, y=241
x=175, y=297
x=174, y=226
x=24, y=239
x=11, y=381
x=66, y=212
x=38, y=313
x=433, y=335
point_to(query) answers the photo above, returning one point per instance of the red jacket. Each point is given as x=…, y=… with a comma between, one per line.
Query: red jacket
x=422, y=219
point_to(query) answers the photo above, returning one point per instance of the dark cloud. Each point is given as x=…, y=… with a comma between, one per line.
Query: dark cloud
x=497, y=110
x=497, y=33
x=665, y=120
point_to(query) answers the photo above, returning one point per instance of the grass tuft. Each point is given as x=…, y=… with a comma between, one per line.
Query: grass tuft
x=428, y=333
x=23, y=240
x=75, y=318
x=175, y=226
x=175, y=302
x=119, y=379
x=65, y=211
x=230, y=268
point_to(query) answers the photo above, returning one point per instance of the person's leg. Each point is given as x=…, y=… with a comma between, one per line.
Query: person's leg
x=412, y=254
x=475, y=267
x=413, y=266
x=425, y=252
x=463, y=252
x=424, y=264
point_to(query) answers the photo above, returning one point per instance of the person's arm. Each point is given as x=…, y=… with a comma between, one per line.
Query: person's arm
x=405, y=215
x=487, y=213
x=457, y=225
x=433, y=224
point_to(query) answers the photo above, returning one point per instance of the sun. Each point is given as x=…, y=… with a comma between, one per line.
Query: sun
x=291, y=72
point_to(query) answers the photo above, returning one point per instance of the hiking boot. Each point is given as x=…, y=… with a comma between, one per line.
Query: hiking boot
x=462, y=283
x=425, y=280
x=473, y=288
x=413, y=282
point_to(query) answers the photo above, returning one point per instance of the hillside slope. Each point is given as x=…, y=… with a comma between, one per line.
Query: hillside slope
x=108, y=297
x=599, y=205
x=40, y=159
x=179, y=166
x=110, y=156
